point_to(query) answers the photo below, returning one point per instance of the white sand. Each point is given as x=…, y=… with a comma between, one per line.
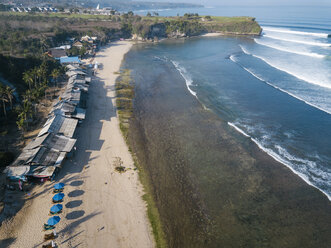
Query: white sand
x=102, y=208
x=211, y=34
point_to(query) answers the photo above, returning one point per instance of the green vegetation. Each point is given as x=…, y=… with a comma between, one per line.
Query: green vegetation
x=152, y=210
x=193, y=24
x=124, y=97
x=232, y=25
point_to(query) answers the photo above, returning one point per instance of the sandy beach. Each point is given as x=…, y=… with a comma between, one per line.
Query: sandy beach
x=212, y=35
x=102, y=208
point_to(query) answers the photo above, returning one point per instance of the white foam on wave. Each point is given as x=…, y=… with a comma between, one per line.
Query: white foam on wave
x=280, y=89
x=238, y=129
x=315, y=55
x=311, y=43
x=315, y=82
x=310, y=166
x=289, y=31
x=280, y=159
x=164, y=59
x=185, y=75
x=233, y=58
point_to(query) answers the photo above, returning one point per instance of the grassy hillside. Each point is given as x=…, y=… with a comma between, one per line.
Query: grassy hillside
x=192, y=24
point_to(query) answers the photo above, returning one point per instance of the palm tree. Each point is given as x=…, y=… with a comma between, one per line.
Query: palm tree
x=28, y=77
x=23, y=113
x=34, y=73
x=39, y=74
x=3, y=98
x=10, y=95
x=55, y=74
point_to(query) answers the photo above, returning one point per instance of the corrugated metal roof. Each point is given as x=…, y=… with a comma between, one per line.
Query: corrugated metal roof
x=26, y=157
x=73, y=67
x=88, y=80
x=46, y=157
x=52, y=141
x=36, y=142
x=72, y=94
x=74, y=72
x=59, y=125
x=79, y=114
x=66, y=107
x=41, y=171
x=38, y=156
x=78, y=84
x=17, y=171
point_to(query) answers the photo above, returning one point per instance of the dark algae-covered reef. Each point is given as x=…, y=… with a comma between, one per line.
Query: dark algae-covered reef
x=214, y=187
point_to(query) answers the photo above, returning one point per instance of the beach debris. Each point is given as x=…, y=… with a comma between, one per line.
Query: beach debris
x=118, y=163
x=50, y=245
x=48, y=227
x=49, y=236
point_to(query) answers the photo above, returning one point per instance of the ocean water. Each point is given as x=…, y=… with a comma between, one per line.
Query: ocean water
x=274, y=89
x=223, y=126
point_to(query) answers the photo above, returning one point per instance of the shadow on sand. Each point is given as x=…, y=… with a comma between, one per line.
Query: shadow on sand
x=75, y=215
x=74, y=204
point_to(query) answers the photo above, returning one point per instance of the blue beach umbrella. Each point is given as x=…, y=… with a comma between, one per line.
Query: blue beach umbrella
x=58, y=197
x=53, y=220
x=59, y=186
x=56, y=208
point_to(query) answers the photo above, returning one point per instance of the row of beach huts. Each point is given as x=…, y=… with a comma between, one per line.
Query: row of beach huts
x=43, y=157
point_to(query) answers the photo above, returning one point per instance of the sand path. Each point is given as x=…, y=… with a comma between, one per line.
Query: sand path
x=102, y=208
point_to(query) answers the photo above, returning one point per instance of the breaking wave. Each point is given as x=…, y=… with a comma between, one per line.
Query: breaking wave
x=311, y=43
x=285, y=158
x=185, y=75
x=232, y=57
x=308, y=80
x=279, y=48
x=288, y=31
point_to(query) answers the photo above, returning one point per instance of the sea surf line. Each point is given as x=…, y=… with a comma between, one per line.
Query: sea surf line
x=232, y=58
x=279, y=48
x=298, y=41
x=288, y=31
x=317, y=82
x=185, y=75
x=278, y=158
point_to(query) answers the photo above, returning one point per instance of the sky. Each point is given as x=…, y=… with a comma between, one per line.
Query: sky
x=252, y=2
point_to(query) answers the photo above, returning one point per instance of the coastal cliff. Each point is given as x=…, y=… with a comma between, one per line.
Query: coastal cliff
x=152, y=28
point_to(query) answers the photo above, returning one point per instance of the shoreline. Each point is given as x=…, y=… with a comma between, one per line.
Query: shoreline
x=102, y=207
